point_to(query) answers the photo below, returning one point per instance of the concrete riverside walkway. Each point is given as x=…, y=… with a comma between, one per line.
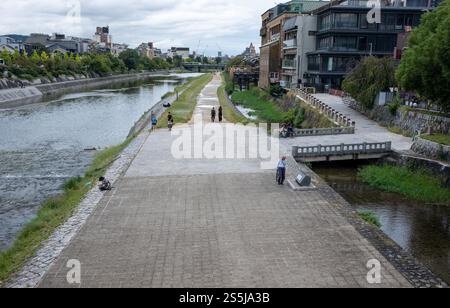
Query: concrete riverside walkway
x=215, y=223
x=366, y=130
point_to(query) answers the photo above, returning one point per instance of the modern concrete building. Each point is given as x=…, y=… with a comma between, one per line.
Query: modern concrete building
x=117, y=49
x=344, y=36
x=182, y=52
x=273, y=36
x=103, y=38
x=299, y=39
x=147, y=50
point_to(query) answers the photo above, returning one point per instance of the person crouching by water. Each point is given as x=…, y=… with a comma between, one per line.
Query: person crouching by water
x=281, y=171
x=104, y=184
x=170, y=121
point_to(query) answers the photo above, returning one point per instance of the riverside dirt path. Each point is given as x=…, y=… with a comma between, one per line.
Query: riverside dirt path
x=215, y=223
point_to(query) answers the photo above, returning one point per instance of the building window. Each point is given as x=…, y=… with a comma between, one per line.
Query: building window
x=400, y=21
x=364, y=24
x=362, y=43
x=345, y=43
x=325, y=22
x=324, y=43
x=346, y=20
x=385, y=43
x=314, y=63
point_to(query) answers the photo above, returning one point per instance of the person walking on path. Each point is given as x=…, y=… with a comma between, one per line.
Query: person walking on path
x=213, y=115
x=220, y=114
x=281, y=171
x=170, y=121
x=154, y=120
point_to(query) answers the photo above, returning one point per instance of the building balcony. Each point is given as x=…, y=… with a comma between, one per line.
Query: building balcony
x=291, y=72
x=263, y=31
x=289, y=64
x=290, y=44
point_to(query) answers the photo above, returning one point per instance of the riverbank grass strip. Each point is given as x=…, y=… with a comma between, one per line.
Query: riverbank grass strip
x=183, y=108
x=54, y=213
x=261, y=103
x=438, y=138
x=418, y=185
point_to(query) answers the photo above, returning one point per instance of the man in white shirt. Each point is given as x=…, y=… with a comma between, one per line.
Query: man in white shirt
x=281, y=172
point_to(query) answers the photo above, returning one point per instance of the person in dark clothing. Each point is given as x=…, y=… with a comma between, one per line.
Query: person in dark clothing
x=170, y=121
x=220, y=114
x=104, y=184
x=213, y=115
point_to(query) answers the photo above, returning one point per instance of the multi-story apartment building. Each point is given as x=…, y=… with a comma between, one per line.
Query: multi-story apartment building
x=344, y=36
x=299, y=39
x=103, y=38
x=147, y=50
x=273, y=35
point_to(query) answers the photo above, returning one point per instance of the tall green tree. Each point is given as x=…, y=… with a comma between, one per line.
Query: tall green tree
x=425, y=65
x=5, y=56
x=371, y=76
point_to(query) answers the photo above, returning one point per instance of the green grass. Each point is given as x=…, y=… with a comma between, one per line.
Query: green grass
x=418, y=185
x=438, y=138
x=314, y=118
x=183, y=108
x=180, y=88
x=54, y=212
x=371, y=218
x=229, y=113
x=260, y=102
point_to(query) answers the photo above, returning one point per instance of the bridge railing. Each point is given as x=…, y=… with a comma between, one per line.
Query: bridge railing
x=324, y=131
x=325, y=109
x=342, y=149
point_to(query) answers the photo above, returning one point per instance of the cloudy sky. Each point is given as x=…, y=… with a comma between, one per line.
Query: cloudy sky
x=227, y=25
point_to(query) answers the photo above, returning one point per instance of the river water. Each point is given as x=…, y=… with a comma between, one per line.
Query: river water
x=423, y=230
x=43, y=145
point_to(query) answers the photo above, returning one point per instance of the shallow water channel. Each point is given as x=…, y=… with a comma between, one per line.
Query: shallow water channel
x=421, y=229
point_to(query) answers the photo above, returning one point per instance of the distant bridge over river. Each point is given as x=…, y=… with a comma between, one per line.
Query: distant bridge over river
x=199, y=67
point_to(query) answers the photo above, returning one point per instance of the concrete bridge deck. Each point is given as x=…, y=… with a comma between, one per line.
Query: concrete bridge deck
x=216, y=223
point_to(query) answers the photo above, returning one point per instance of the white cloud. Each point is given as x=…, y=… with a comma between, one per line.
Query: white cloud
x=230, y=24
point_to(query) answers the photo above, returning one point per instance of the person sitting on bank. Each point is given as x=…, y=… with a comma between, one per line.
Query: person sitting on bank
x=104, y=184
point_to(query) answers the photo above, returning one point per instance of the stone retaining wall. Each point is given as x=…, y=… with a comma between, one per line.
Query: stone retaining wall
x=15, y=97
x=431, y=149
x=408, y=121
x=22, y=96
